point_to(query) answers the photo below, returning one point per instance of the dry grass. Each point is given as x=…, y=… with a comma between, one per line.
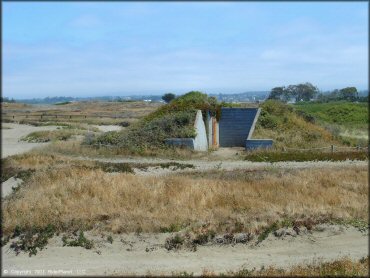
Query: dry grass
x=86, y=198
x=52, y=135
x=341, y=267
x=96, y=112
x=297, y=133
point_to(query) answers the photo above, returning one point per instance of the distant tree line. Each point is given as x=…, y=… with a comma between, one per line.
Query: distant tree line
x=5, y=99
x=308, y=92
x=347, y=94
x=299, y=92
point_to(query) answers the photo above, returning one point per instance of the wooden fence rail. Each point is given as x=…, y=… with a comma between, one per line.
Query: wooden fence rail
x=332, y=148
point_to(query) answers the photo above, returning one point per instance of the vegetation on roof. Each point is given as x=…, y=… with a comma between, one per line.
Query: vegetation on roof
x=173, y=120
x=290, y=128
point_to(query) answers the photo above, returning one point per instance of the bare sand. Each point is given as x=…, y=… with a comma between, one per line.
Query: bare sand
x=11, y=136
x=227, y=165
x=106, y=128
x=144, y=254
x=6, y=187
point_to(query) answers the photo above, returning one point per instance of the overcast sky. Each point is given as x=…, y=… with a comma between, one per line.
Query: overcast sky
x=96, y=48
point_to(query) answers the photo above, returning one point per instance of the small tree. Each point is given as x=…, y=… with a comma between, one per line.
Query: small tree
x=168, y=97
x=276, y=93
x=349, y=93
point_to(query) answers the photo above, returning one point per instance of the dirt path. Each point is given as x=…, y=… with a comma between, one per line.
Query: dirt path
x=145, y=254
x=204, y=165
x=10, y=136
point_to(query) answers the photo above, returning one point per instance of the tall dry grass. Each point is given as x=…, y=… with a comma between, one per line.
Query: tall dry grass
x=343, y=267
x=68, y=198
x=125, y=111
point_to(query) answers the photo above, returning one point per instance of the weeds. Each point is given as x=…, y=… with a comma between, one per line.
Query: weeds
x=32, y=239
x=53, y=135
x=114, y=167
x=110, y=239
x=81, y=241
x=267, y=231
x=172, y=228
x=359, y=224
x=8, y=170
x=183, y=274
x=174, y=242
x=341, y=267
x=203, y=238
x=239, y=201
x=276, y=156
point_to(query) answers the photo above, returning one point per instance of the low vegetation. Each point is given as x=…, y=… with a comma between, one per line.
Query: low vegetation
x=84, y=198
x=79, y=112
x=51, y=135
x=347, y=121
x=30, y=240
x=290, y=129
x=25, y=165
x=340, y=112
x=79, y=240
x=324, y=155
x=344, y=267
x=176, y=119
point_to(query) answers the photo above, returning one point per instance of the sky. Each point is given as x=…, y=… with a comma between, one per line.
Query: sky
x=127, y=48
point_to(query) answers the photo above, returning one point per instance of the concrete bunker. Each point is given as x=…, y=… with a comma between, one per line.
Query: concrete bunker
x=234, y=129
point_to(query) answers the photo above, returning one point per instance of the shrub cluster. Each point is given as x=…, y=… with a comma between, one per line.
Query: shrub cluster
x=173, y=120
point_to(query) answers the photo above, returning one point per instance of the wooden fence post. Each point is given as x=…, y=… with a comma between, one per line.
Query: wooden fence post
x=332, y=148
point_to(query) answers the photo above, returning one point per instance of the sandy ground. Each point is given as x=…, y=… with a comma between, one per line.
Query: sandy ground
x=106, y=128
x=227, y=165
x=12, y=133
x=10, y=144
x=6, y=187
x=145, y=254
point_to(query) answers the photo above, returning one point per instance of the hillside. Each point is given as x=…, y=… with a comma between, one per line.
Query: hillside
x=289, y=128
x=347, y=114
x=348, y=121
x=175, y=119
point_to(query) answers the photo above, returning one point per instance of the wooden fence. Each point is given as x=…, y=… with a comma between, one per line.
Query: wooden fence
x=331, y=148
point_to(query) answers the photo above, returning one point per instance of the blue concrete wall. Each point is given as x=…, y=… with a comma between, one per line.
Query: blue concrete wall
x=235, y=125
x=253, y=144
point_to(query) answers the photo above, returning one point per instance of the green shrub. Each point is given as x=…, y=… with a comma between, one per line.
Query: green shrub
x=174, y=242
x=172, y=228
x=276, y=156
x=341, y=112
x=32, y=239
x=81, y=241
x=110, y=239
x=52, y=135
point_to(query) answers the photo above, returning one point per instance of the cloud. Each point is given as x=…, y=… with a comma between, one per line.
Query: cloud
x=145, y=47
